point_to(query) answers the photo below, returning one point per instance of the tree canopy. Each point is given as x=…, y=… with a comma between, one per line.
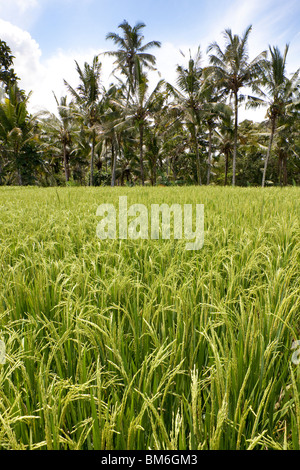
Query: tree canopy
x=169, y=134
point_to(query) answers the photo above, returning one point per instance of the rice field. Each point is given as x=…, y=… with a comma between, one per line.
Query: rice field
x=140, y=344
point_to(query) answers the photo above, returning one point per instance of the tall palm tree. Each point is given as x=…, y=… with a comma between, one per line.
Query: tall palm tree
x=59, y=132
x=214, y=111
x=132, y=53
x=288, y=149
x=225, y=139
x=277, y=92
x=111, y=137
x=188, y=100
x=232, y=71
x=137, y=109
x=87, y=97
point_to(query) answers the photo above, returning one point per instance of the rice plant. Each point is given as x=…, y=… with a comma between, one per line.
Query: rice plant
x=140, y=344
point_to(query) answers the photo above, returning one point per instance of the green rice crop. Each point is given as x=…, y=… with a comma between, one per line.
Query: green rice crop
x=132, y=345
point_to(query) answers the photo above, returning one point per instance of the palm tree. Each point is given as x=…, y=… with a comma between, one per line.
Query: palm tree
x=155, y=137
x=188, y=100
x=18, y=131
x=287, y=144
x=232, y=71
x=225, y=139
x=87, y=97
x=277, y=92
x=136, y=111
x=59, y=132
x=132, y=53
x=214, y=111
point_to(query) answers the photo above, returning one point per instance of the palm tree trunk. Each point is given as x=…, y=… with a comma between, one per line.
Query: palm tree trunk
x=154, y=173
x=141, y=154
x=285, y=175
x=197, y=157
x=20, y=177
x=235, y=138
x=66, y=164
x=198, y=165
x=92, y=160
x=279, y=165
x=209, y=156
x=114, y=160
x=174, y=170
x=269, y=151
x=226, y=168
x=17, y=158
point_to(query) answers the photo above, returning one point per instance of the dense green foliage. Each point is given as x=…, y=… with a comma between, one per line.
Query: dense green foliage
x=171, y=135
x=7, y=73
x=142, y=344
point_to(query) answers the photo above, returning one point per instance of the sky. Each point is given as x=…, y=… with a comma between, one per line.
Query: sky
x=47, y=36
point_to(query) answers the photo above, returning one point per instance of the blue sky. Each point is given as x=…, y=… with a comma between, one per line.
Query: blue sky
x=46, y=36
x=82, y=23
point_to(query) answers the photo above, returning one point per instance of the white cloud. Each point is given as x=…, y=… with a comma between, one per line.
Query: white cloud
x=13, y=5
x=26, y=51
x=167, y=58
x=42, y=77
x=21, y=13
x=60, y=67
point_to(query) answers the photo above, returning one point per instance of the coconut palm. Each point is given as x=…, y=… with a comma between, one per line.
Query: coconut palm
x=232, y=71
x=277, y=92
x=87, y=97
x=188, y=100
x=287, y=144
x=225, y=140
x=137, y=109
x=132, y=53
x=214, y=110
x=58, y=132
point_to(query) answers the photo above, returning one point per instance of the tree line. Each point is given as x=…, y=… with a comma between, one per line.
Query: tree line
x=183, y=134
